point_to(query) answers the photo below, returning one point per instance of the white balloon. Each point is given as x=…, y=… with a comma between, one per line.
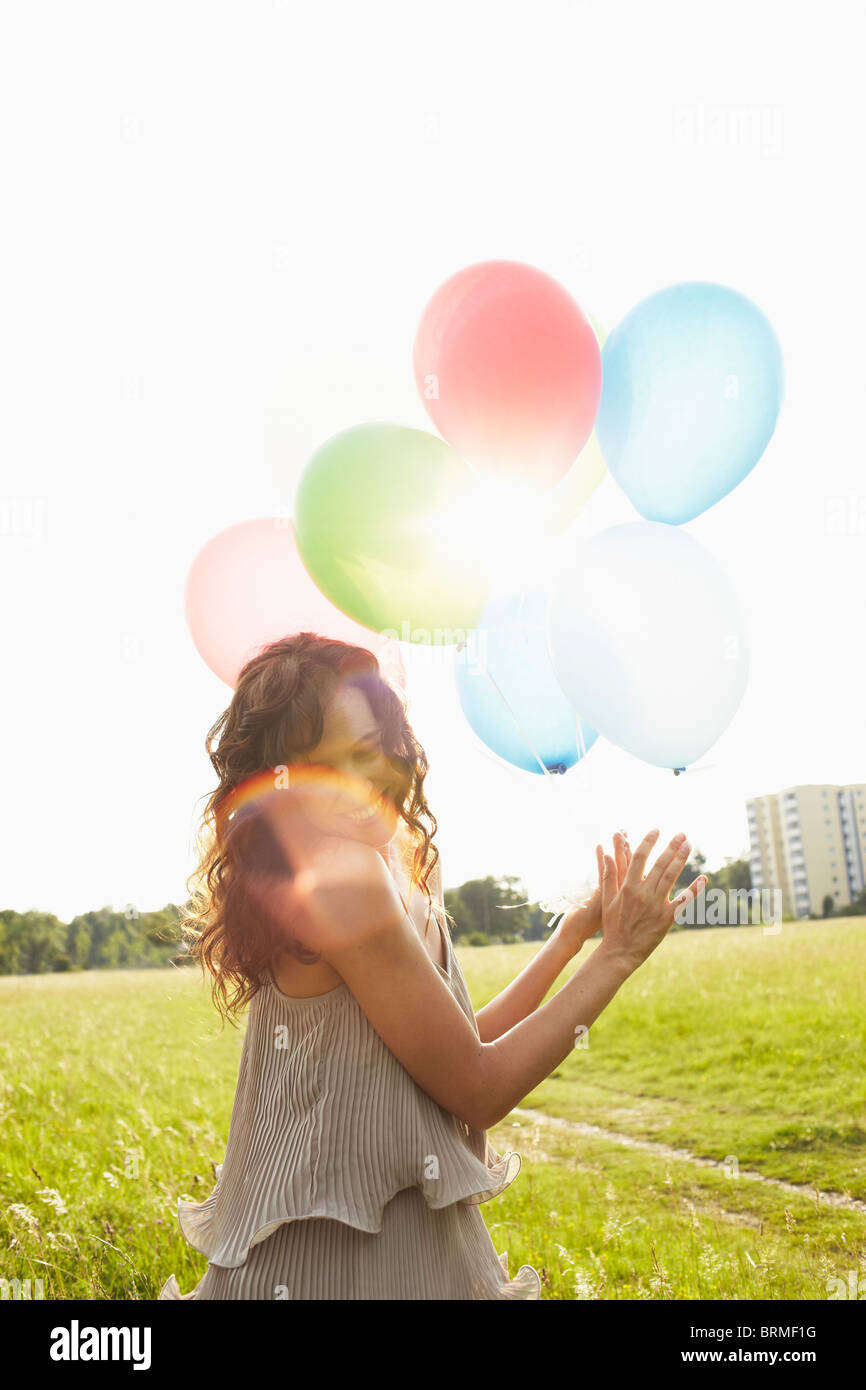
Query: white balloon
x=649, y=640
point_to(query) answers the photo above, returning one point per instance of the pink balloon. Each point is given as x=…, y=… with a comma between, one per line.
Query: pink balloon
x=509, y=370
x=248, y=587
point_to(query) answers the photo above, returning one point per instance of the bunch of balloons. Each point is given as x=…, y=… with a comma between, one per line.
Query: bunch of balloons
x=533, y=404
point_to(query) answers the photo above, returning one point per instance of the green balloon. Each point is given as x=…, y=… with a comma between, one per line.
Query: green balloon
x=384, y=523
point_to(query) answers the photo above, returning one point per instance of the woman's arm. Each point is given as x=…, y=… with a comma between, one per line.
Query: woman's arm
x=410, y=1006
x=526, y=991
x=390, y=974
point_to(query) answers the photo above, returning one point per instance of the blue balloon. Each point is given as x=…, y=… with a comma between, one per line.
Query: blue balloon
x=691, y=391
x=508, y=689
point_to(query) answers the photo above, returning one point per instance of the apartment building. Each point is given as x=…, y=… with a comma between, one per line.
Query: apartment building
x=810, y=842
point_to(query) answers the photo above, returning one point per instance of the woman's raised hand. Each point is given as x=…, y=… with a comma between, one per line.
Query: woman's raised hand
x=583, y=921
x=637, y=915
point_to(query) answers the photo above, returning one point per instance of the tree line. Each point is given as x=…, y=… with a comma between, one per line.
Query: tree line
x=38, y=943
x=485, y=911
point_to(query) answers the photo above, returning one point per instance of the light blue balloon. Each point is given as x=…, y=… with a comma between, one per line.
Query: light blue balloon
x=691, y=390
x=508, y=690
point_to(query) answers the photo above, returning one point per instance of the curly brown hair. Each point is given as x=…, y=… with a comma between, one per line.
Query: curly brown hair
x=277, y=710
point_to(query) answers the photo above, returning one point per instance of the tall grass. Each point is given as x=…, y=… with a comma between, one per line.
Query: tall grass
x=116, y=1090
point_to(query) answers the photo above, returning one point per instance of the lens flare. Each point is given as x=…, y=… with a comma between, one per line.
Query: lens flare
x=325, y=796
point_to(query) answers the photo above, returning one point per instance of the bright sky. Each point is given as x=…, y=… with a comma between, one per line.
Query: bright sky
x=222, y=223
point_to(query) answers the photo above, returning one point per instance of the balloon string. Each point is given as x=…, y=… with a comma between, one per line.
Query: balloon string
x=562, y=902
x=559, y=906
x=581, y=744
x=520, y=729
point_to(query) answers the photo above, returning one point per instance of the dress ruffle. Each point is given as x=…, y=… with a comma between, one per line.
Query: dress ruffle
x=467, y=1180
x=525, y=1285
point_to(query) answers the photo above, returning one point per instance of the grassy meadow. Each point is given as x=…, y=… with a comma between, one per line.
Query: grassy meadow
x=739, y=1048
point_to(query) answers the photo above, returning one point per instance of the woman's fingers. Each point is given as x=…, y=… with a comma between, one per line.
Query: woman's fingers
x=599, y=859
x=689, y=893
x=634, y=874
x=607, y=877
x=620, y=847
x=668, y=867
x=674, y=869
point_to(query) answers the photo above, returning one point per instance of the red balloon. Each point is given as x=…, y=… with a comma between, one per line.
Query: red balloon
x=509, y=370
x=248, y=586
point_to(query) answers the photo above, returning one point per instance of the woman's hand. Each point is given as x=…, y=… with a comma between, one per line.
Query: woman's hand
x=578, y=925
x=636, y=915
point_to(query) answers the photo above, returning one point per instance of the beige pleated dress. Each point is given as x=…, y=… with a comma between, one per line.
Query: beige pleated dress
x=342, y=1178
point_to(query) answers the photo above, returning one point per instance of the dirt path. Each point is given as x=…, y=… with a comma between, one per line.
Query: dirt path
x=831, y=1199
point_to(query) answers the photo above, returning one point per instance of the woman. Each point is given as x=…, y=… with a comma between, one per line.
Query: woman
x=357, y=1152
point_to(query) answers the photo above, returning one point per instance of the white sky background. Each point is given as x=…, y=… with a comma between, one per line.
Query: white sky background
x=222, y=223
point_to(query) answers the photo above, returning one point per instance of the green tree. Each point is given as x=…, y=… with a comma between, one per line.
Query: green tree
x=494, y=908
